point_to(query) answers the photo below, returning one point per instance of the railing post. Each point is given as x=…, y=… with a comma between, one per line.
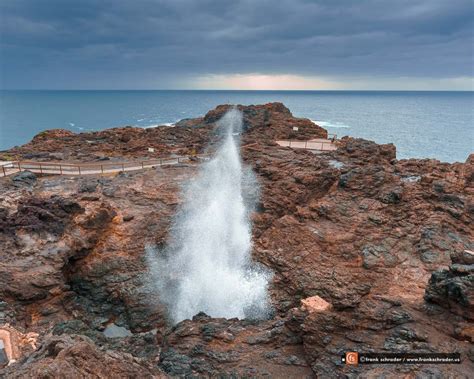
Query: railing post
x=60, y=170
x=289, y=145
x=143, y=165
x=41, y=169
x=79, y=168
x=305, y=144
x=4, y=174
x=19, y=167
x=161, y=162
x=123, y=167
x=102, y=169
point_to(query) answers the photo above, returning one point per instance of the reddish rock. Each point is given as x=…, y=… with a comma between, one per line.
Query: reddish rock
x=355, y=227
x=79, y=357
x=454, y=288
x=210, y=347
x=315, y=304
x=263, y=122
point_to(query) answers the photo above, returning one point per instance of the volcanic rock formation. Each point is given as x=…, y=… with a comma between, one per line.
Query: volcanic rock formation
x=367, y=254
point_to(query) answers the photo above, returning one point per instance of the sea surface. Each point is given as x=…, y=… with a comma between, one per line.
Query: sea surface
x=421, y=124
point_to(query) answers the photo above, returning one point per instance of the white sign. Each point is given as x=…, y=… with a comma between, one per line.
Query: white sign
x=295, y=128
x=151, y=149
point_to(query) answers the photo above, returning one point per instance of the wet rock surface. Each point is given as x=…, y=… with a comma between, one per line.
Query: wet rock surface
x=211, y=347
x=373, y=246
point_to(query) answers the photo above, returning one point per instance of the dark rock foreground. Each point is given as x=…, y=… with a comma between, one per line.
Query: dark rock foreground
x=383, y=249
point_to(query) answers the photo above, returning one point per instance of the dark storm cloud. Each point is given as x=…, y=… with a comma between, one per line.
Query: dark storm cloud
x=156, y=43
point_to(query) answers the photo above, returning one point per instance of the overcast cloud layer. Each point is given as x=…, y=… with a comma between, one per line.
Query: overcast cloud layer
x=193, y=44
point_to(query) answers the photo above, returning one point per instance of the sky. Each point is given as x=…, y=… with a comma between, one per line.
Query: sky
x=237, y=44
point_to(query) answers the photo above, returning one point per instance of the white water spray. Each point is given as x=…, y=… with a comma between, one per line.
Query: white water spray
x=207, y=266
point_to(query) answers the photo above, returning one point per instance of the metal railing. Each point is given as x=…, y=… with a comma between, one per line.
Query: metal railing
x=56, y=168
x=316, y=144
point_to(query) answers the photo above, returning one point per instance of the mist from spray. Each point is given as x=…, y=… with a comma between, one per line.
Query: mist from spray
x=207, y=266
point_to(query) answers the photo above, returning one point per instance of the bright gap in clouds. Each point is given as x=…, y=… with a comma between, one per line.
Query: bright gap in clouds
x=256, y=81
x=262, y=82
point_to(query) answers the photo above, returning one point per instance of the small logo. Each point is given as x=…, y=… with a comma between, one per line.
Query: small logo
x=352, y=358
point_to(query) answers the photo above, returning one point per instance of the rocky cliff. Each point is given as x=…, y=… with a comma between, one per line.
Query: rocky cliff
x=369, y=253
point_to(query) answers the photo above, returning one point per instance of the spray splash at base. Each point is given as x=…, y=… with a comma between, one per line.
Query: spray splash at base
x=207, y=266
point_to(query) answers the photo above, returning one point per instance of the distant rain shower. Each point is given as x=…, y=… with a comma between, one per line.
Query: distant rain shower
x=207, y=265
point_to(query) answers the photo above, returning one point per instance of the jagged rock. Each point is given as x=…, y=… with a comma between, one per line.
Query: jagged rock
x=454, y=288
x=264, y=122
x=40, y=215
x=24, y=177
x=212, y=347
x=315, y=304
x=363, y=235
x=15, y=344
x=78, y=357
x=88, y=186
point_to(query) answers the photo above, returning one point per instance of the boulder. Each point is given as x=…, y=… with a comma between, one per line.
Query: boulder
x=454, y=288
x=24, y=178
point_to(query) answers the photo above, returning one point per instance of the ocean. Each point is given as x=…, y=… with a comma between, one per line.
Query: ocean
x=421, y=124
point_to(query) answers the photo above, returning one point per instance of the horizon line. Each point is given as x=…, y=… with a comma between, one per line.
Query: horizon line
x=237, y=90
